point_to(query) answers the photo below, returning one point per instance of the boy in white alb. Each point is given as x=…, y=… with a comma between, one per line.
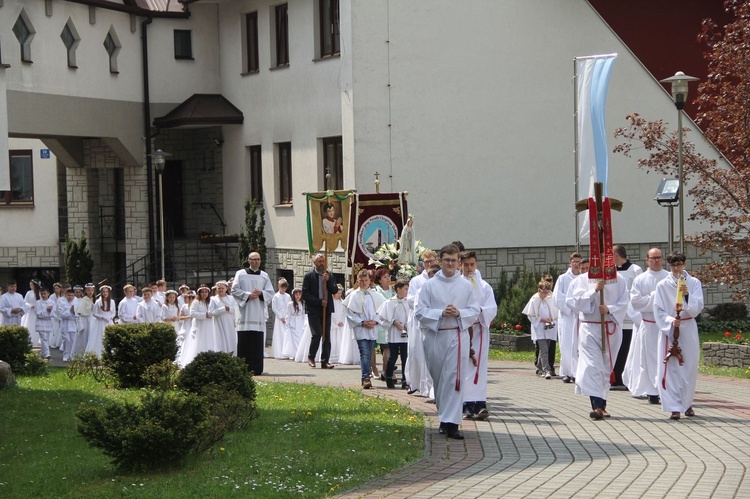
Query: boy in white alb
x=45, y=311
x=394, y=315
x=66, y=312
x=128, y=306
x=11, y=306
x=148, y=310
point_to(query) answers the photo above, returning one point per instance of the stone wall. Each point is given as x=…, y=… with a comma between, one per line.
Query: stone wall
x=29, y=256
x=300, y=263
x=511, y=342
x=726, y=354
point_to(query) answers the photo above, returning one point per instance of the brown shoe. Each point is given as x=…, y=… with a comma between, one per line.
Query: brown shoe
x=596, y=414
x=675, y=416
x=310, y=362
x=690, y=412
x=326, y=365
x=366, y=383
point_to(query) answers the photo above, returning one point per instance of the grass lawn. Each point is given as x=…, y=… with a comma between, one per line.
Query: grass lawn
x=308, y=441
x=732, y=372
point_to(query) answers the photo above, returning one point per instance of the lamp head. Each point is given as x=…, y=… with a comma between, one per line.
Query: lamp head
x=679, y=87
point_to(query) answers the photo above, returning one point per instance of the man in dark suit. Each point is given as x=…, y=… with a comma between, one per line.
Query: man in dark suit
x=317, y=292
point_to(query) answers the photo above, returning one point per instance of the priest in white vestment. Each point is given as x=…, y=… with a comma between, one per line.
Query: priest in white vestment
x=567, y=321
x=677, y=382
x=253, y=292
x=445, y=310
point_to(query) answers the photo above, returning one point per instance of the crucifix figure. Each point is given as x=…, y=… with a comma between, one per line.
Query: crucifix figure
x=377, y=182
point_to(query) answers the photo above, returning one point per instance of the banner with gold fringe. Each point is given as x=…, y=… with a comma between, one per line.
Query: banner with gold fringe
x=327, y=220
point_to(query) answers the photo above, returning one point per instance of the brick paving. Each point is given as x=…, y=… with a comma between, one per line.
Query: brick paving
x=540, y=442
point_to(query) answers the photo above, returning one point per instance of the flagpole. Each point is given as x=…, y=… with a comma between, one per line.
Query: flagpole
x=575, y=152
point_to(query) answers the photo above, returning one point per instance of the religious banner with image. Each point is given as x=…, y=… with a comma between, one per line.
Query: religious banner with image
x=328, y=220
x=374, y=220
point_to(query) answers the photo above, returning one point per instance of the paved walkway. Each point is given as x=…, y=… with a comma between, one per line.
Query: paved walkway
x=540, y=442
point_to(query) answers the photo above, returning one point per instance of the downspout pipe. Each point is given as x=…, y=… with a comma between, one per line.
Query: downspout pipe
x=148, y=137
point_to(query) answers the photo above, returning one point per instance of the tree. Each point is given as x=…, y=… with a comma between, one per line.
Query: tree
x=253, y=235
x=78, y=260
x=721, y=192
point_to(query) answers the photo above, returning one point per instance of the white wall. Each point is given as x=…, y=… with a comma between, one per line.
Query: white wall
x=37, y=225
x=300, y=103
x=481, y=115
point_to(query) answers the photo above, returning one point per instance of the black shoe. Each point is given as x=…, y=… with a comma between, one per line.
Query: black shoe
x=566, y=379
x=482, y=414
x=455, y=433
x=654, y=399
x=442, y=429
x=326, y=365
x=389, y=383
x=404, y=385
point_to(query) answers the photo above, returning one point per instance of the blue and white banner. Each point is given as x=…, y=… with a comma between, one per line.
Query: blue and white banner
x=592, y=80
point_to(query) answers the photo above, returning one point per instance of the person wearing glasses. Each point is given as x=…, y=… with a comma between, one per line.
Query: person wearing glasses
x=567, y=321
x=446, y=309
x=252, y=291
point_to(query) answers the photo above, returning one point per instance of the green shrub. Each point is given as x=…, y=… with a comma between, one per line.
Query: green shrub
x=160, y=376
x=728, y=312
x=14, y=345
x=228, y=411
x=89, y=364
x=35, y=365
x=712, y=326
x=159, y=432
x=217, y=370
x=130, y=348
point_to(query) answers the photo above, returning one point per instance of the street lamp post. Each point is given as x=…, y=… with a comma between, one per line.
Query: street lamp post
x=159, y=159
x=679, y=92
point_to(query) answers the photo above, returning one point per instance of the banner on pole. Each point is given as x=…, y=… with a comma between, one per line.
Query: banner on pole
x=328, y=220
x=375, y=219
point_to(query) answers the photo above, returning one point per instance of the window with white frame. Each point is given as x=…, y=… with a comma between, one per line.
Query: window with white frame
x=21, y=179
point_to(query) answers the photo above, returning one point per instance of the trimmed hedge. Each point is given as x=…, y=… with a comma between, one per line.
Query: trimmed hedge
x=14, y=346
x=220, y=370
x=129, y=349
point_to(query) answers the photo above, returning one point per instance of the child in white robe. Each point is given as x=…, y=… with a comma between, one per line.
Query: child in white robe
x=221, y=308
x=170, y=312
x=83, y=312
x=542, y=312
x=44, y=309
x=127, y=309
x=279, y=306
x=295, y=324
x=66, y=311
x=338, y=318
x=149, y=310
x=29, y=317
x=186, y=320
x=201, y=336
x=393, y=316
x=58, y=294
x=102, y=315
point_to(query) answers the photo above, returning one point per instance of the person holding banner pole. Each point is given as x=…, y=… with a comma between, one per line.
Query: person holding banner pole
x=317, y=292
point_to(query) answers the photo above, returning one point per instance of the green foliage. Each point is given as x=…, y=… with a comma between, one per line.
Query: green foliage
x=229, y=411
x=89, y=364
x=211, y=370
x=513, y=293
x=712, y=326
x=159, y=432
x=35, y=365
x=253, y=234
x=160, y=376
x=728, y=312
x=78, y=260
x=14, y=346
x=130, y=348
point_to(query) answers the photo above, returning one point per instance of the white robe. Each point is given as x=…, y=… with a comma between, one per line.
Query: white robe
x=363, y=306
x=295, y=328
x=536, y=309
x=679, y=379
x=98, y=321
x=148, y=312
x=417, y=375
x=252, y=313
x=278, y=305
x=337, y=332
x=83, y=312
x=183, y=330
x=29, y=317
x=127, y=310
x=201, y=336
x=225, y=333
x=594, y=366
x=389, y=312
x=8, y=302
x=642, y=368
x=476, y=379
x=567, y=325
x=446, y=341
x=348, y=351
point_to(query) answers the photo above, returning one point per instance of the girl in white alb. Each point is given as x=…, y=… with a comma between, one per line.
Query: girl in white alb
x=102, y=316
x=279, y=305
x=221, y=308
x=201, y=336
x=295, y=323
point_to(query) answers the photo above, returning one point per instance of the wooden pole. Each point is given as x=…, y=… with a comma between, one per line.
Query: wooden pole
x=598, y=191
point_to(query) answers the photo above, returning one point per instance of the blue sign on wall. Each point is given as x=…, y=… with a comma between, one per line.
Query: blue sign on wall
x=44, y=153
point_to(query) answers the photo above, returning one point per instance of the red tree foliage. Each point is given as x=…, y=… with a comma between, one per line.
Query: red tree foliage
x=721, y=192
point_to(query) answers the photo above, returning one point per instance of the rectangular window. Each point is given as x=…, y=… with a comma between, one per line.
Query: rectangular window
x=329, y=28
x=251, y=43
x=21, y=179
x=281, y=26
x=183, y=44
x=333, y=163
x=284, y=158
x=256, y=174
